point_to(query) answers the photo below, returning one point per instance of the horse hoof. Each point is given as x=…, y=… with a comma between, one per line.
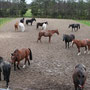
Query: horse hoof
x=85, y=52
x=24, y=66
x=79, y=54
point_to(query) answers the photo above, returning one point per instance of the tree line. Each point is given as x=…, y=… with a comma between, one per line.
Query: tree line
x=69, y=9
x=12, y=8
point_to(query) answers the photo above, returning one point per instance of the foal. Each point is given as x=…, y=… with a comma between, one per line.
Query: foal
x=80, y=43
x=5, y=68
x=47, y=33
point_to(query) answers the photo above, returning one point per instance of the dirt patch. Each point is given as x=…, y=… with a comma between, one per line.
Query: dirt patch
x=52, y=65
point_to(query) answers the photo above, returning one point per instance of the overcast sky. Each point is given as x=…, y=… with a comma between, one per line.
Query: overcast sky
x=28, y=1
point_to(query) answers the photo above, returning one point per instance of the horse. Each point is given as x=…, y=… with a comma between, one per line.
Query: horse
x=16, y=26
x=5, y=68
x=80, y=43
x=30, y=21
x=44, y=26
x=22, y=27
x=47, y=33
x=68, y=38
x=41, y=24
x=19, y=55
x=22, y=20
x=79, y=76
x=74, y=26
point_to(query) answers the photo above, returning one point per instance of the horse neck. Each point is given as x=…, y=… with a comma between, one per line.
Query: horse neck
x=53, y=31
x=76, y=42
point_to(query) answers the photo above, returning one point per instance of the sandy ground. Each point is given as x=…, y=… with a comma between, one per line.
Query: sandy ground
x=52, y=65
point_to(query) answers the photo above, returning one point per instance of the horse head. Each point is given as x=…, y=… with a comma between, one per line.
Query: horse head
x=14, y=56
x=33, y=19
x=57, y=32
x=46, y=23
x=64, y=35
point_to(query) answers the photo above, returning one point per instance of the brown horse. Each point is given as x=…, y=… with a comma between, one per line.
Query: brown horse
x=80, y=43
x=16, y=26
x=47, y=33
x=19, y=55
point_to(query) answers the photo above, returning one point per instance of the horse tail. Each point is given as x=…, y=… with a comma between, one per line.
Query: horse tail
x=30, y=55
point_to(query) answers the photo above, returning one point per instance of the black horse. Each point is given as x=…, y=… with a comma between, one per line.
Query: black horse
x=30, y=21
x=74, y=26
x=41, y=24
x=5, y=68
x=22, y=20
x=67, y=39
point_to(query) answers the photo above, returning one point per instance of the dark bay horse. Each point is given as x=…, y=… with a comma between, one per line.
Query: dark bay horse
x=22, y=20
x=79, y=44
x=41, y=24
x=30, y=21
x=19, y=55
x=47, y=33
x=79, y=77
x=67, y=39
x=5, y=68
x=74, y=26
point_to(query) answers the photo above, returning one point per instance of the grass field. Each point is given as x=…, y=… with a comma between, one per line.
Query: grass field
x=4, y=20
x=86, y=22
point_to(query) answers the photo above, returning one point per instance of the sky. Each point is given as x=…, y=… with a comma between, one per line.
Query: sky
x=28, y=1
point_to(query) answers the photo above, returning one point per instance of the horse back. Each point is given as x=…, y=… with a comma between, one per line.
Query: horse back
x=24, y=53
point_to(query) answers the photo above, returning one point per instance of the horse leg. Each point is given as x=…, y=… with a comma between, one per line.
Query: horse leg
x=79, y=51
x=49, y=39
x=85, y=50
x=28, y=62
x=0, y=74
x=18, y=65
x=14, y=66
x=31, y=23
x=65, y=44
x=68, y=44
x=25, y=63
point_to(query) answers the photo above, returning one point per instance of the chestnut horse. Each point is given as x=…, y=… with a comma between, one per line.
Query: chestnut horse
x=80, y=43
x=47, y=33
x=16, y=26
x=19, y=55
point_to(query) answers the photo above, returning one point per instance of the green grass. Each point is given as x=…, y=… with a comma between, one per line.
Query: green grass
x=86, y=22
x=28, y=13
x=4, y=20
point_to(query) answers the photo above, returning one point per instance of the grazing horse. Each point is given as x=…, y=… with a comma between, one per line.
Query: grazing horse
x=16, y=26
x=22, y=20
x=5, y=68
x=22, y=27
x=19, y=55
x=67, y=39
x=79, y=77
x=30, y=21
x=80, y=43
x=41, y=24
x=74, y=26
x=47, y=33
